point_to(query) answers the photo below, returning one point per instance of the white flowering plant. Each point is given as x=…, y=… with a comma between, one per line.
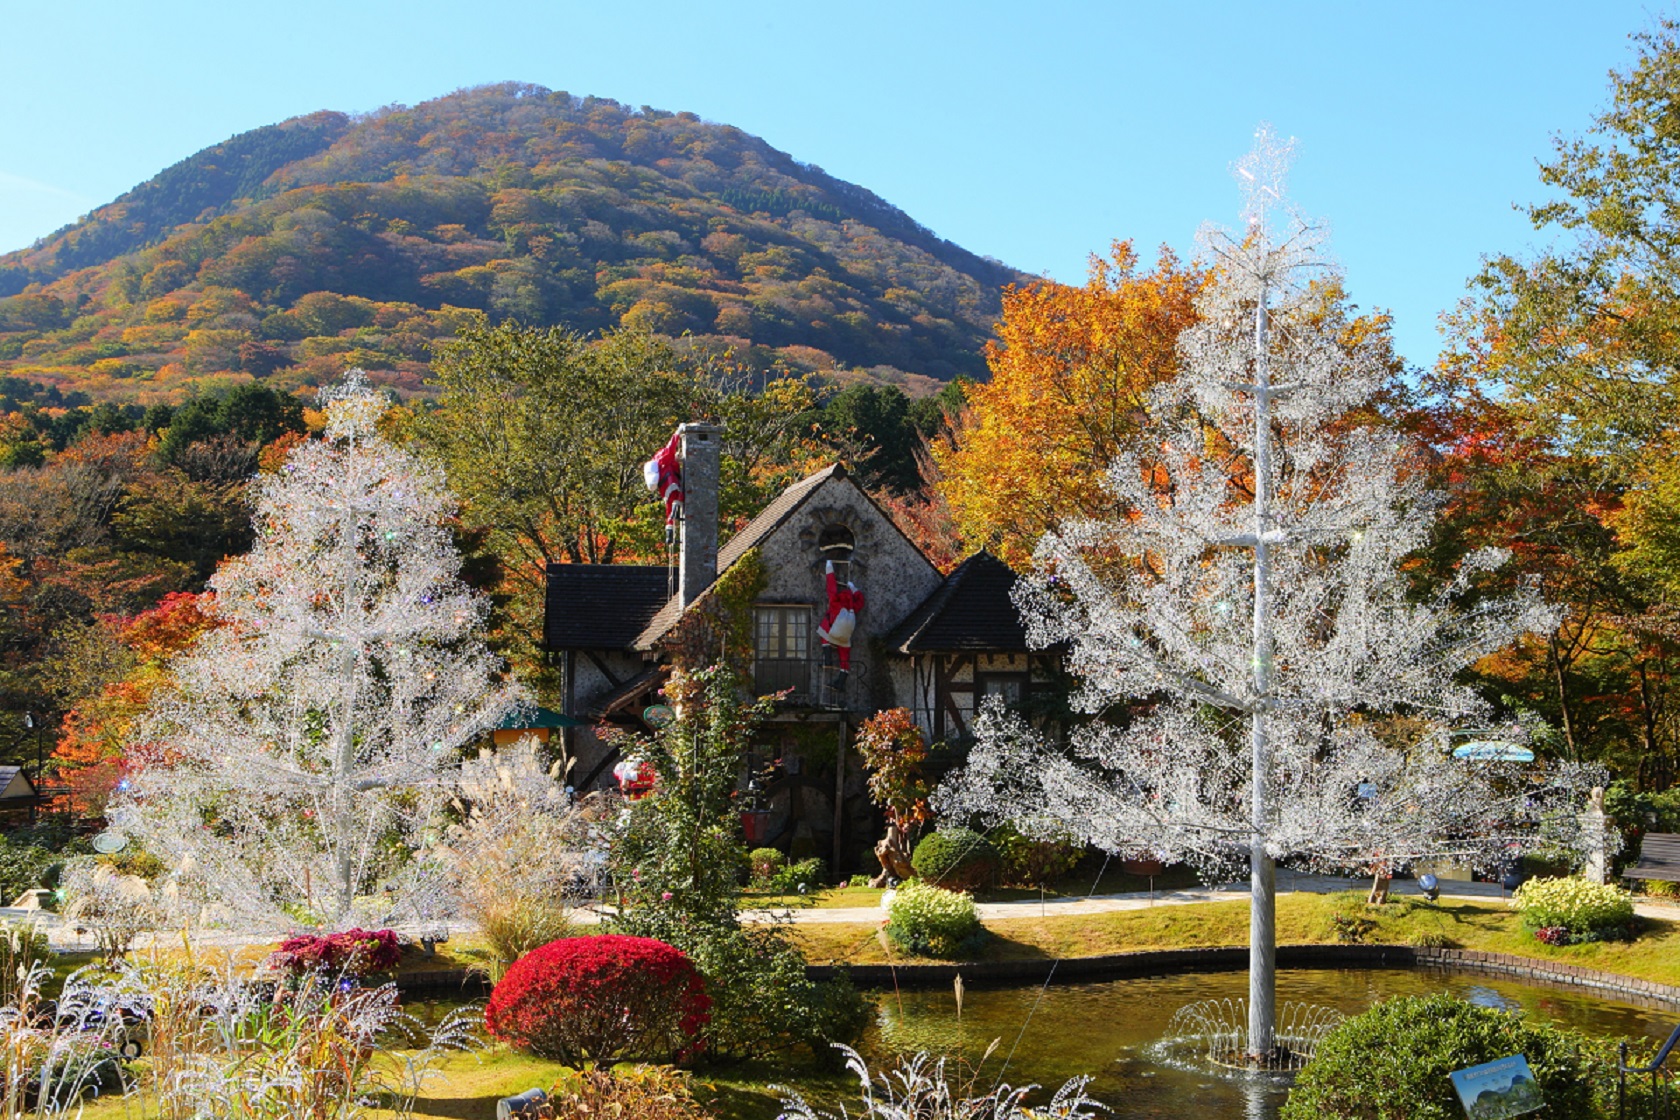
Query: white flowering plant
x=932, y=921
x=1583, y=910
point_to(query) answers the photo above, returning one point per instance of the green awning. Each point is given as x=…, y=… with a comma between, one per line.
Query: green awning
x=529, y=719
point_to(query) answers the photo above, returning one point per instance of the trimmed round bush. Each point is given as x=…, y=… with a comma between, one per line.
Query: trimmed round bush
x=1393, y=1062
x=1565, y=911
x=933, y=922
x=958, y=859
x=601, y=999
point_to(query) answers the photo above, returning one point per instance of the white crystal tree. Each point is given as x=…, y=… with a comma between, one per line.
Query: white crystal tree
x=1241, y=632
x=314, y=734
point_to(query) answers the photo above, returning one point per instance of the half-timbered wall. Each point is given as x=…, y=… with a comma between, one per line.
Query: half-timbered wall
x=946, y=689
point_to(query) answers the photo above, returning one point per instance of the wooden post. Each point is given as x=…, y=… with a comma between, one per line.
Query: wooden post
x=839, y=794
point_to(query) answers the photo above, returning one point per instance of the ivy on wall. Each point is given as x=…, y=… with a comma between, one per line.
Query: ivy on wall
x=718, y=628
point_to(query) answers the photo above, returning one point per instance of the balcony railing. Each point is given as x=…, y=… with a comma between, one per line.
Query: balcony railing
x=806, y=681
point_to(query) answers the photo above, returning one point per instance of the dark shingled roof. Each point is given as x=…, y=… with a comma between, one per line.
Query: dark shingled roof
x=971, y=612
x=749, y=538
x=601, y=606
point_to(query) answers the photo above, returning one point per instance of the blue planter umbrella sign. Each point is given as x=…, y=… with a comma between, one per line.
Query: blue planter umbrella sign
x=1483, y=746
x=659, y=715
x=1497, y=1089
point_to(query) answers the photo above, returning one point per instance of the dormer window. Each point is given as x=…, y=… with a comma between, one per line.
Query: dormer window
x=837, y=543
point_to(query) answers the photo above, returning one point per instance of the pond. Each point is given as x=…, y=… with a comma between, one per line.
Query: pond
x=1108, y=1029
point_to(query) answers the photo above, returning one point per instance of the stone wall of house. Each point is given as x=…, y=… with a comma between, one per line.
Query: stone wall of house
x=893, y=576
x=586, y=684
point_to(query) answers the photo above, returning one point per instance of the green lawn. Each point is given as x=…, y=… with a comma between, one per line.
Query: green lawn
x=472, y=1083
x=1083, y=881
x=1302, y=918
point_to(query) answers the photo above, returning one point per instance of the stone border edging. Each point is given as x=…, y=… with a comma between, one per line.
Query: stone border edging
x=444, y=982
x=1154, y=962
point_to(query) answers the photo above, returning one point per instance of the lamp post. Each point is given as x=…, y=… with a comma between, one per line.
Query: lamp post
x=30, y=723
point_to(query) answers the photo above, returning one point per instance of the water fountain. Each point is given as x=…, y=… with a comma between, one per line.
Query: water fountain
x=1214, y=1033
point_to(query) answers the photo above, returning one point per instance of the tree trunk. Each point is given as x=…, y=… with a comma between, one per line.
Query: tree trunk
x=894, y=853
x=1566, y=717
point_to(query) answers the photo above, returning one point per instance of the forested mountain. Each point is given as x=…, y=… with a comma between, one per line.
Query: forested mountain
x=292, y=251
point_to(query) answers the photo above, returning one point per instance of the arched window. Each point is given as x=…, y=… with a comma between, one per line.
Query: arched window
x=836, y=543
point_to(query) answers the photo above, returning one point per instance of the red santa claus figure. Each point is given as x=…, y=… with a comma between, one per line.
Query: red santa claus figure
x=663, y=475
x=840, y=620
x=635, y=778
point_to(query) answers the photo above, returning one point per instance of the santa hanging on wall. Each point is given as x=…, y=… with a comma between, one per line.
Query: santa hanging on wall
x=840, y=620
x=663, y=475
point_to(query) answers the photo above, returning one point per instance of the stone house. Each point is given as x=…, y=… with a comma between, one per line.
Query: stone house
x=935, y=644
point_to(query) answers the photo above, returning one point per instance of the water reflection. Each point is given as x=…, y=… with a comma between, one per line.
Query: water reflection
x=1112, y=1029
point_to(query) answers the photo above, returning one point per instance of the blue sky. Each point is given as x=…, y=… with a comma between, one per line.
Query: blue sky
x=1034, y=133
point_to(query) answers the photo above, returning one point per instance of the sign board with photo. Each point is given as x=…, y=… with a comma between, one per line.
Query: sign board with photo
x=1498, y=1089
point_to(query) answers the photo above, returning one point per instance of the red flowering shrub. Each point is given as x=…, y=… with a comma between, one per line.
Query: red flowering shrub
x=351, y=952
x=601, y=999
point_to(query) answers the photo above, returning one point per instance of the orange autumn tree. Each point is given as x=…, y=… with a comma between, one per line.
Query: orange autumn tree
x=1070, y=369
x=95, y=739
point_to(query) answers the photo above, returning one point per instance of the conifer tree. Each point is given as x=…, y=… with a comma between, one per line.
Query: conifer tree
x=316, y=730
x=1243, y=626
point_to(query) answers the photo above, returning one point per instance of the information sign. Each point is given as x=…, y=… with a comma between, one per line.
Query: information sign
x=1495, y=1090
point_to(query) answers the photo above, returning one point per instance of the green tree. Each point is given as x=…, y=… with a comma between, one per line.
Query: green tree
x=883, y=432
x=251, y=414
x=678, y=864
x=1585, y=336
x=543, y=434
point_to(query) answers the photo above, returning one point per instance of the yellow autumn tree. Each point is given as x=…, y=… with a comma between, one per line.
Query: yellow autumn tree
x=1069, y=371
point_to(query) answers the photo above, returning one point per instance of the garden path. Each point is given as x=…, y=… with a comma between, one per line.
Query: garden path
x=1070, y=906
x=63, y=936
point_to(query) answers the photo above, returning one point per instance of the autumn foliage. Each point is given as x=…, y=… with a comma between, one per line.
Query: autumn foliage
x=894, y=752
x=97, y=733
x=350, y=952
x=1070, y=369
x=600, y=999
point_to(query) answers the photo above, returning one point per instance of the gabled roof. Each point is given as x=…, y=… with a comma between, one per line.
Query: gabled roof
x=771, y=518
x=971, y=612
x=601, y=606
x=14, y=784
x=627, y=695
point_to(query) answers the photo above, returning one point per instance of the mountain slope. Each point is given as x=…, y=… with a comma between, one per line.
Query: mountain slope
x=294, y=250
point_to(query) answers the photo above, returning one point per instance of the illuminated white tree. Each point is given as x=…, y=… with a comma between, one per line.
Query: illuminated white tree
x=314, y=733
x=1254, y=592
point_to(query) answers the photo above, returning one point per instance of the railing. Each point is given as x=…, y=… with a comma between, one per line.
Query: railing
x=804, y=680
x=1660, y=1078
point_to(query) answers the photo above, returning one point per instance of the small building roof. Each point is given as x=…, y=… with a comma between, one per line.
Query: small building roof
x=15, y=784
x=602, y=606
x=531, y=718
x=632, y=692
x=970, y=612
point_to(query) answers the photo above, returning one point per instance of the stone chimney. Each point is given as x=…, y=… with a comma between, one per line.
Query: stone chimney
x=700, y=450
